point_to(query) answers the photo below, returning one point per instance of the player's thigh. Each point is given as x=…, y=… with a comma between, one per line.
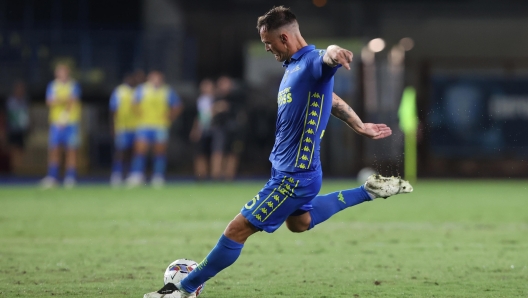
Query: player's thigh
x=161, y=137
x=203, y=147
x=142, y=140
x=130, y=139
x=124, y=140
x=71, y=137
x=54, y=137
x=218, y=140
x=279, y=198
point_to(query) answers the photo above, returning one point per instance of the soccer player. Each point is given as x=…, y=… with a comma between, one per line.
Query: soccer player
x=124, y=125
x=157, y=105
x=305, y=102
x=201, y=131
x=17, y=109
x=63, y=98
x=226, y=129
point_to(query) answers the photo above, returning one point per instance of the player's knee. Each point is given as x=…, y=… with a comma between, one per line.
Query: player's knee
x=239, y=229
x=141, y=147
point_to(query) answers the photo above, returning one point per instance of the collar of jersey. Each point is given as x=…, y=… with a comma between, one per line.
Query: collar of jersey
x=299, y=54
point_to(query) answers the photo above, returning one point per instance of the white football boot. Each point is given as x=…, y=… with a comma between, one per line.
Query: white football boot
x=135, y=180
x=175, y=294
x=69, y=182
x=170, y=291
x=384, y=187
x=157, y=181
x=116, y=180
x=48, y=182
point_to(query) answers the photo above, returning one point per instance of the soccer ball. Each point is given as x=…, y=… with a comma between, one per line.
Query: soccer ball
x=178, y=270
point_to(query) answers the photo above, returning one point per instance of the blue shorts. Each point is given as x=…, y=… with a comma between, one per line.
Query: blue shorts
x=67, y=136
x=124, y=139
x=152, y=135
x=284, y=195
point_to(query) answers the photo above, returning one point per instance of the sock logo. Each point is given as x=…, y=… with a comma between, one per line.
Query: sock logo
x=341, y=198
x=202, y=264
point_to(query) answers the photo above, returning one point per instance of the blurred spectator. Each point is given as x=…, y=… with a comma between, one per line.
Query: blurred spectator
x=17, y=111
x=157, y=106
x=139, y=76
x=201, y=130
x=228, y=117
x=63, y=97
x=4, y=150
x=124, y=124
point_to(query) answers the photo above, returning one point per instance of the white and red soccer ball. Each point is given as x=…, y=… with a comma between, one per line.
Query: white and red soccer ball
x=178, y=270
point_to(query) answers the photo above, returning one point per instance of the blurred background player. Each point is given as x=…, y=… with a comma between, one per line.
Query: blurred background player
x=226, y=127
x=139, y=76
x=63, y=99
x=201, y=131
x=157, y=106
x=124, y=121
x=17, y=124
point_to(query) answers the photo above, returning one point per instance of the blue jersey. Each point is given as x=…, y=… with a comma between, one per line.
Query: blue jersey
x=304, y=107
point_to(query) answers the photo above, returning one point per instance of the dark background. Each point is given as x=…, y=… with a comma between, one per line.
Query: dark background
x=472, y=41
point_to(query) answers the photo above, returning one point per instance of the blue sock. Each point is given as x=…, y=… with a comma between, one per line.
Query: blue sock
x=53, y=170
x=160, y=164
x=117, y=167
x=222, y=256
x=138, y=164
x=327, y=205
x=71, y=173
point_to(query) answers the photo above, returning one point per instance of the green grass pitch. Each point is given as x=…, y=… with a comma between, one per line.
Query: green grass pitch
x=447, y=239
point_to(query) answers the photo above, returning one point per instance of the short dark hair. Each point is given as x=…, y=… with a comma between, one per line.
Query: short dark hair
x=275, y=18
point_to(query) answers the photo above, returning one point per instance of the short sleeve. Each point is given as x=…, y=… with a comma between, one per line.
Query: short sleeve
x=76, y=91
x=49, y=92
x=113, y=101
x=319, y=69
x=174, y=99
x=138, y=94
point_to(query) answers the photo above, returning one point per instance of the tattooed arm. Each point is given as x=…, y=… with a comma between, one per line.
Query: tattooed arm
x=342, y=111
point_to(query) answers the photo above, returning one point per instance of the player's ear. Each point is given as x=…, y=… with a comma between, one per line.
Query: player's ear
x=284, y=38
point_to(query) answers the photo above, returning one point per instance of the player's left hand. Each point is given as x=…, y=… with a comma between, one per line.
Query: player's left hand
x=336, y=55
x=344, y=57
x=376, y=131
